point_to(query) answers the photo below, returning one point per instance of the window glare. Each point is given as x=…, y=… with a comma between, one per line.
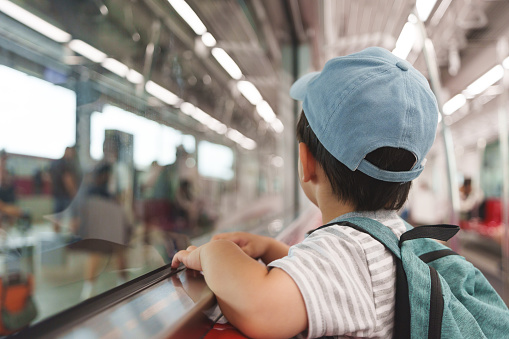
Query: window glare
x=215, y=160
x=32, y=110
x=152, y=141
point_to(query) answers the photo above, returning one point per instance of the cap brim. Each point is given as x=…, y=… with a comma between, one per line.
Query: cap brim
x=299, y=88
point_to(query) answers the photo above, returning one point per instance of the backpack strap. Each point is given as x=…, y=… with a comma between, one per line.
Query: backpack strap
x=402, y=303
x=385, y=236
x=374, y=228
x=442, y=232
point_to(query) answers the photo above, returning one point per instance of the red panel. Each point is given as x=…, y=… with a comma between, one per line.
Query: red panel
x=493, y=212
x=224, y=331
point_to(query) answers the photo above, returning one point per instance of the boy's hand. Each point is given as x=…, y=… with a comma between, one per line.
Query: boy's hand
x=253, y=245
x=190, y=257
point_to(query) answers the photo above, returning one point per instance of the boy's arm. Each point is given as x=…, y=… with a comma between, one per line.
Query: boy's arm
x=258, y=302
x=275, y=250
x=256, y=246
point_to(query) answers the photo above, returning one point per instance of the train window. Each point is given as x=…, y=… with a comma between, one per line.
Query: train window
x=123, y=139
x=152, y=141
x=215, y=161
x=50, y=109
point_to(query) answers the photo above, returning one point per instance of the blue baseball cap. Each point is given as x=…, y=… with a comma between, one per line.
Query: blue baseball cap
x=368, y=100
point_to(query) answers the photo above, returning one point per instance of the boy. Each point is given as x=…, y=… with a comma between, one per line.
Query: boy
x=368, y=121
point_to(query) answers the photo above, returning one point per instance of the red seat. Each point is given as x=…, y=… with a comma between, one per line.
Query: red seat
x=493, y=213
x=224, y=331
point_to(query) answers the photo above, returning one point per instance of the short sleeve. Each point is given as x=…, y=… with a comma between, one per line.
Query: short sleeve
x=331, y=271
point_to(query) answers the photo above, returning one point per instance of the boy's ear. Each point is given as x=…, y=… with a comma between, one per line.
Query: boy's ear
x=308, y=162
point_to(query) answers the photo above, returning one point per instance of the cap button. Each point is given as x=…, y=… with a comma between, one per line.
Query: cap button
x=402, y=66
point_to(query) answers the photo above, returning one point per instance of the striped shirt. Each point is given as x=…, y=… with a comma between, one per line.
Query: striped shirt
x=347, y=279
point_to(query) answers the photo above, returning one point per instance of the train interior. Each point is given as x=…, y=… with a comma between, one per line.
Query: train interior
x=131, y=129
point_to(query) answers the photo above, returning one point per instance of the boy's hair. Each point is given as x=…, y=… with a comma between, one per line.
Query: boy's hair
x=355, y=187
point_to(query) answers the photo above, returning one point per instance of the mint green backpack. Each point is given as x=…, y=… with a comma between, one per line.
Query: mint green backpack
x=438, y=293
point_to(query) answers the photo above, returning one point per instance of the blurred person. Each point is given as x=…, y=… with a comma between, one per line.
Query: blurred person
x=470, y=199
x=187, y=207
x=102, y=221
x=120, y=183
x=149, y=179
x=7, y=189
x=65, y=180
x=8, y=209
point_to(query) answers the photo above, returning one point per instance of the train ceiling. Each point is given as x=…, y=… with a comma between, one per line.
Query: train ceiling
x=259, y=36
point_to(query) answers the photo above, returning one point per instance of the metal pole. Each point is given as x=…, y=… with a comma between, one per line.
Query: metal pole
x=502, y=52
x=436, y=87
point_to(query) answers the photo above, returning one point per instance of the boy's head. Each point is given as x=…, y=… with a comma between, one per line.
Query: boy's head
x=369, y=120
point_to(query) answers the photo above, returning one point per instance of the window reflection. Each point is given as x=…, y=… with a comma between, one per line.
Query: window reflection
x=94, y=195
x=107, y=169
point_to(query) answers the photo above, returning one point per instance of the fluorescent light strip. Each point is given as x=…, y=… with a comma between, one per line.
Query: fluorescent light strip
x=235, y=135
x=227, y=63
x=161, y=93
x=505, y=63
x=477, y=87
x=189, y=16
x=424, y=8
x=277, y=125
x=250, y=92
x=134, y=77
x=208, y=40
x=248, y=144
x=87, y=51
x=115, y=66
x=187, y=108
x=34, y=22
x=454, y=104
x=406, y=41
x=216, y=125
x=265, y=111
x=486, y=80
x=202, y=117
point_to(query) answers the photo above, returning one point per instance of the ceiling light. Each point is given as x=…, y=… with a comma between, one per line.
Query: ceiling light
x=505, y=63
x=486, y=80
x=218, y=126
x=115, y=66
x=201, y=116
x=277, y=125
x=412, y=18
x=240, y=139
x=424, y=8
x=187, y=108
x=134, y=77
x=208, y=40
x=249, y=91
x=161, y=93
x=187, y=13
x=104, y=10
x=454, y=104
x=235, y=135
x=265, y=111
x=87, y=51
x=227, y=63
x=34, y=22
x=248, y=144
x=405, y=41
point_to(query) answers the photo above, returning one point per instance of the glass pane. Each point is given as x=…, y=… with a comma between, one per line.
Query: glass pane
x=121, y=142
